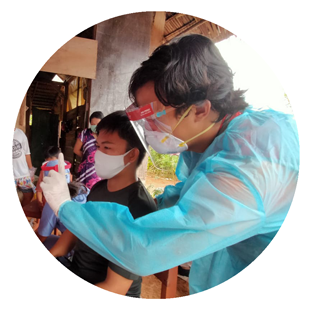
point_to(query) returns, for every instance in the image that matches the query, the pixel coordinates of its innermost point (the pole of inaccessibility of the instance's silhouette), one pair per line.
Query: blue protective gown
(231, 201)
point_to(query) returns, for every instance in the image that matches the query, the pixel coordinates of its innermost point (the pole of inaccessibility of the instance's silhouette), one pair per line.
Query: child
(119, 154)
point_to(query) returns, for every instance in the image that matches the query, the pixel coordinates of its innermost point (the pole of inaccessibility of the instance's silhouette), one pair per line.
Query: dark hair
(188, 71)
(119, 122)
(97, 114)
(51, 151)
(76, 188)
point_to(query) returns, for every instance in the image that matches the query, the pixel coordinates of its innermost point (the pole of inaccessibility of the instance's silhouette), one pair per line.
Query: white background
(253, 74)
(279, 279)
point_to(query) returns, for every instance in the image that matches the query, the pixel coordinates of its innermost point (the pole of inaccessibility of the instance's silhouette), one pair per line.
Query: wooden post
(169, 281)
(28, 112)
(87, 107)
(158, 30)
(23, 114)
(21, 117)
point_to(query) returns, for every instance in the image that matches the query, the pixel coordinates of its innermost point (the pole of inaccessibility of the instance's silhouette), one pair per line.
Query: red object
(140, 112)
(48, 168)
(223, 120)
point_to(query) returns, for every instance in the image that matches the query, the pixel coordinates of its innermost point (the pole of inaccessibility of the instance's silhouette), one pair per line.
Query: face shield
(151, 116)
(151, 125)
(158, 134)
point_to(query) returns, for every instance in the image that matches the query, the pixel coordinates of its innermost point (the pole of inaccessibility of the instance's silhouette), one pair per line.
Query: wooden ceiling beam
(210, 29)
(77, 57)
(215, 30)
(42, 105)
(45, 100)
(183, 30)
(53, 84)
(34, 91)
(174, 16)
(46, 91)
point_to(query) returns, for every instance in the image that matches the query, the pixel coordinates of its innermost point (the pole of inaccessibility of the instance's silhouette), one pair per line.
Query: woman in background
(85, 147)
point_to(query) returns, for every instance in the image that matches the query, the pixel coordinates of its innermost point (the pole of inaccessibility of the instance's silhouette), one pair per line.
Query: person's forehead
(110, 137)
(145, 94)
(95, 121)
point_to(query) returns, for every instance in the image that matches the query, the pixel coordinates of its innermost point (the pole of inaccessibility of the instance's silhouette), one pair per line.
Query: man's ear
(202, 111)
(133, 155)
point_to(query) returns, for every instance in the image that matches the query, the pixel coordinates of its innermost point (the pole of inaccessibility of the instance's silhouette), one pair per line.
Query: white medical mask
(167, 143)
(108, 166)
(164, 143)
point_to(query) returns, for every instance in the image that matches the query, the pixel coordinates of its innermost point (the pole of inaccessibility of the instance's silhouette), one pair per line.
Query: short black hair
(188, 71)
(119, 122)
(51, 151)
(97, 114)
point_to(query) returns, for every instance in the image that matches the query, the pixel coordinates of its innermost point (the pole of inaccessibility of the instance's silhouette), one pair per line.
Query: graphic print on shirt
(17, 149)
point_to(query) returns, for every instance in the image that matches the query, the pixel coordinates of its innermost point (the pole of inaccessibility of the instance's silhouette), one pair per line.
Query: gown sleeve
(205, 219)
(240, 187)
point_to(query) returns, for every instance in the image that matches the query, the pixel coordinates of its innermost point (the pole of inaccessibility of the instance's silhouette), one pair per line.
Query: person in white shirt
(21, 165)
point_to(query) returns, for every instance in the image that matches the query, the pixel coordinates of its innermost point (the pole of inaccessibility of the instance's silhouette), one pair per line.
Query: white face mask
(167, 143)
(170, 145)
(107, 166)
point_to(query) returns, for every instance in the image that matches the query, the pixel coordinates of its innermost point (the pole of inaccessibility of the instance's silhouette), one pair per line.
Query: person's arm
(205, 219)
(28, 160)
(170, 196)
(40, 197)
(26, 150)
(41, 238)
(115, 283)
(77, 147)
(47, 223)
(228, 197)
(38, 188)
(215, 210)
(64, 244)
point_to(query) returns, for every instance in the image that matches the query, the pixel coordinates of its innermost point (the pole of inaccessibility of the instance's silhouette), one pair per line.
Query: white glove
(54, 186)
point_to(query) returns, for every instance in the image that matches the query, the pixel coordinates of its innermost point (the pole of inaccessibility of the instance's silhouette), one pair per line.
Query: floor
(151, 288)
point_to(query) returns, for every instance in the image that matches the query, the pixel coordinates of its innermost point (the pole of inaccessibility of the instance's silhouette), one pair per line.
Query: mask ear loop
(181, 119)
(183, 143)
(126, 155)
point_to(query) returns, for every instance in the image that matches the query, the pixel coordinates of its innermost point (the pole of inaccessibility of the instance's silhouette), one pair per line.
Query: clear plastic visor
(152, 116)
(149, 117)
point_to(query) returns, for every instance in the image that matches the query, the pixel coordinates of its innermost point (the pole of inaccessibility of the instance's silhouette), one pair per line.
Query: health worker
(238, 169)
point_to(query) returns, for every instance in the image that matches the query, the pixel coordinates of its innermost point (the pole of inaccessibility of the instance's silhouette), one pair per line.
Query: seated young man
(119, 153)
